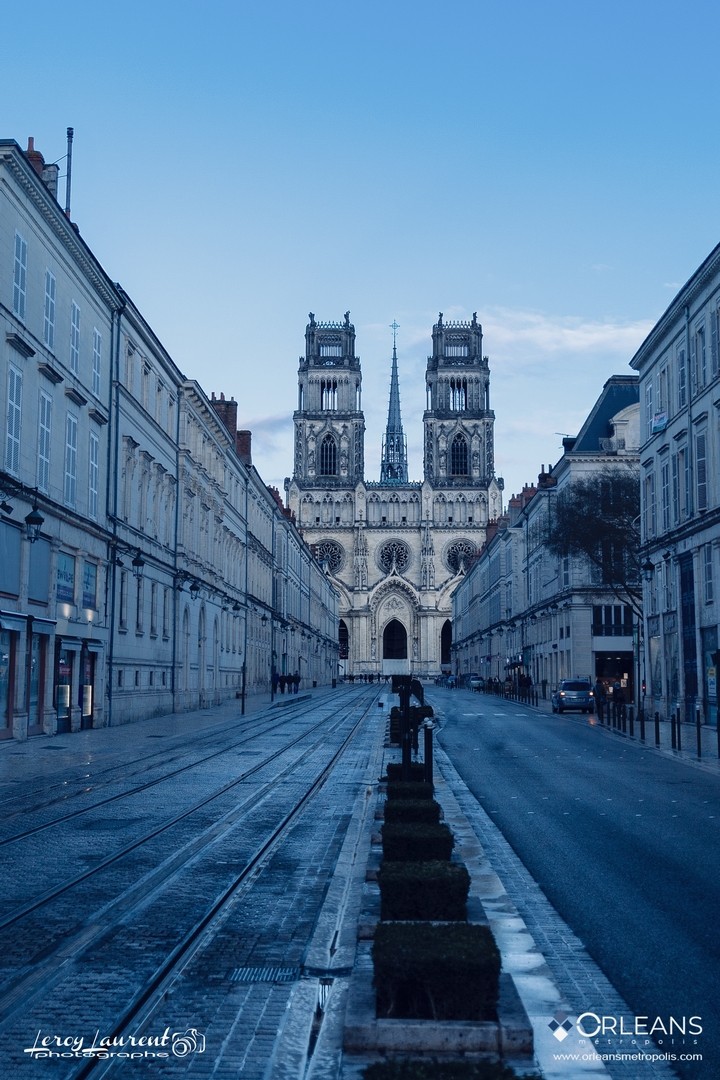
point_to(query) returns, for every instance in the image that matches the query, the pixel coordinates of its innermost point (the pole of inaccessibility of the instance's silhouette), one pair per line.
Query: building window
(65, 578)
(650, 512)
(96, 361)
(153, 608)
(89, 586)
(139, 604)
(75, 338)
(698, 359)
(329, 394)
(93, 472)
(44, 441)
(715, 340)
(20, 276)
(708, 580)
(459, 456)
(122, 618)
(681, 379)
(649, 408)
(14, 415)
(566, 572)
(49, 326)
(71, 436)
(166, 612)
(665, 495)
(458, 395)
(701, 470)
(328, 456)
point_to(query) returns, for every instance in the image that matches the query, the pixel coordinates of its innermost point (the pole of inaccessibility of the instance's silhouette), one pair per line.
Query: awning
(13, 621)
(71, 644)
(95, 646)
(43, 626)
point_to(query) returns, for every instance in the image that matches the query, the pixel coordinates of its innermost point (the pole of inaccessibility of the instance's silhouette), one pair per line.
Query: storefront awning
(12, 621)
(71, 644)
(43, 626)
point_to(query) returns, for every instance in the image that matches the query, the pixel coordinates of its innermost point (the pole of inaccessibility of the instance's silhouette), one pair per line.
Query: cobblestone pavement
(75, 963)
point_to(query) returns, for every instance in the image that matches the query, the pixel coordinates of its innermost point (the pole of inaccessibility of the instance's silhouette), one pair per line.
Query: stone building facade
(679, 369)
(394, 548)
(145, 567)
(522, 610)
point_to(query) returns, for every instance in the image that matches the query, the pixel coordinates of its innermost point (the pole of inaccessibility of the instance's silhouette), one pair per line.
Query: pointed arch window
(459, 456)
(458, 395)
(328, 456)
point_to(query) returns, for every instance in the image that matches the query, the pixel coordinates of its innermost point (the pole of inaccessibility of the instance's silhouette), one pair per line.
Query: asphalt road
(623, 842)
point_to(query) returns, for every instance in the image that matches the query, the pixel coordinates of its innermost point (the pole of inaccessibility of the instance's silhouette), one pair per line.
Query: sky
(550, 164)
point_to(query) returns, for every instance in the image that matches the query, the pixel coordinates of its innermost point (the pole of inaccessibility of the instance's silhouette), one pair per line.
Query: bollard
(623, 714)
(428, 750)
(673, 736)
(679, 730)
(641, 718)
(698, 731)
(631, 721)
(657, 728)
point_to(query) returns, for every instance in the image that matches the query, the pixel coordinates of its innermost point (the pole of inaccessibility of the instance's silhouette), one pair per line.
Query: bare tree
(597, 518)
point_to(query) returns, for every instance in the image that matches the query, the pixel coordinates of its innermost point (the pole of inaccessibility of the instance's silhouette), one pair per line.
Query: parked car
(476, 682)
(573, 694)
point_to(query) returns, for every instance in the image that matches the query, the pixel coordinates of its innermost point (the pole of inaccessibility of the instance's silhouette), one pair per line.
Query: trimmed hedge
(443, 1070)
(409, 789)
(417, 771)
(436, 972)
(421, 810)
(410, 842)
(423, 890)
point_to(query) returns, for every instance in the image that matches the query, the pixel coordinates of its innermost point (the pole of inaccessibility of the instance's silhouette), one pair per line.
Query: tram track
(140, 1009)
(52, 958)
(86, 783)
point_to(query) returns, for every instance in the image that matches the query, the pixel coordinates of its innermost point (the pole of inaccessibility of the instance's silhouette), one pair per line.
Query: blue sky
(552, 165)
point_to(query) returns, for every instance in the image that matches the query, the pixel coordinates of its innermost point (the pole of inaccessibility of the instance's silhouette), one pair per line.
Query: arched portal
(445, 644)
(395, 641)
(343, 640)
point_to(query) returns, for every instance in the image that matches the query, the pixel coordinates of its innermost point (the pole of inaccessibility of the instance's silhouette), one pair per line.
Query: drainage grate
(265, 974)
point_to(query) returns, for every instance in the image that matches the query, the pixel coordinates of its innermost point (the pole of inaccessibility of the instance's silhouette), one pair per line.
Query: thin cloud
(510, 331)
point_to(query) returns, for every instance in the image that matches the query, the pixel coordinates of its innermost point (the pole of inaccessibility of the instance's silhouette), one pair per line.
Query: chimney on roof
(47, 173)
(226, 411)
(243, 445)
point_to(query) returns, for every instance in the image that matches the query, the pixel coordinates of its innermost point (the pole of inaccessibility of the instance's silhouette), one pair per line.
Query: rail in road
(117, 878)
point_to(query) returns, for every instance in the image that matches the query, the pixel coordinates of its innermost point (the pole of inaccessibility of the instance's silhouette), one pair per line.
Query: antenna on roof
(68, 176)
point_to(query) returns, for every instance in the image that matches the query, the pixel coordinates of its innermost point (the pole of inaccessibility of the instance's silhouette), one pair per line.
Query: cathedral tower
(458, 420)
(329, 423)
(393, 465)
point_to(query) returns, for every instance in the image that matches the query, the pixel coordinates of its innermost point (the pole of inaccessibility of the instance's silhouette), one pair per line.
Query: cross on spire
(394, 326)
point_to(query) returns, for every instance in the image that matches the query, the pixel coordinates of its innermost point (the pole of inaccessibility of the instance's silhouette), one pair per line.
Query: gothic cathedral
(395, 548)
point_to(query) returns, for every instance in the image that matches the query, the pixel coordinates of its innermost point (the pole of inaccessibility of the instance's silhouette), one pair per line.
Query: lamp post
(647, 569)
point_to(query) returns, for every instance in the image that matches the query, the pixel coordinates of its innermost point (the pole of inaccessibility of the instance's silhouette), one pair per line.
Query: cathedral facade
(394, 548)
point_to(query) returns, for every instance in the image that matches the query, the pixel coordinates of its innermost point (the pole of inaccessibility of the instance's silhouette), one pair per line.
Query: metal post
(631, 721)
(642, 725)
(657, 728)
(428, 750)
(679, 736)
(673, 737)
(698, 730)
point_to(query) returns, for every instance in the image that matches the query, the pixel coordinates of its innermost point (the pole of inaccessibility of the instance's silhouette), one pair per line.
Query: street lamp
(34, 522)
(138, 564)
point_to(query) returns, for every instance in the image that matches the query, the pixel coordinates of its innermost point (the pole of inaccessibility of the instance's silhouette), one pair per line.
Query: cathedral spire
(393, 466)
